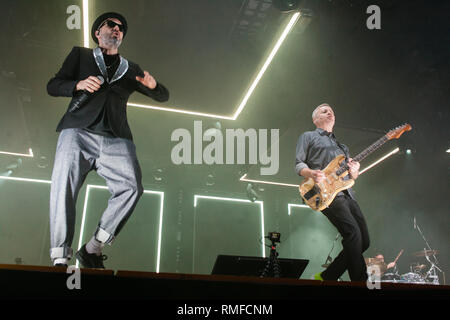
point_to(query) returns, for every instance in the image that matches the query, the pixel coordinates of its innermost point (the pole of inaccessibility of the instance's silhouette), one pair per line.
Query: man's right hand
(90, 84)
(317, 175)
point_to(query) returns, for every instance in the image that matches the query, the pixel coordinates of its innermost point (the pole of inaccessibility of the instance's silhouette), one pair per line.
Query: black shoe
(90, 260)
(61, 265)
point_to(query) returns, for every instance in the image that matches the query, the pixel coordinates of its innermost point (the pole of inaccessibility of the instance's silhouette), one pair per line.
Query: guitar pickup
(311, 193)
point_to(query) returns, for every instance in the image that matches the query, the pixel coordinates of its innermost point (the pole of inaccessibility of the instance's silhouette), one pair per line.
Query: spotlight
(6, 174)
(158, 174)
(214, 129)
(409, 149)
(286, 5)
(251, 193)
(42, 162)
(14, 165)
(448, 150)
(210, 180)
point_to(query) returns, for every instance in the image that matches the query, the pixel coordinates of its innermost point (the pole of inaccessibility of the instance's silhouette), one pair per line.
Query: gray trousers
(77, 153)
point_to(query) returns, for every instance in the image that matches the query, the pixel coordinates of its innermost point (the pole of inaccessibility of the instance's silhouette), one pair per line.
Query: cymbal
(425, 253)
(326, 265)
(419, 267)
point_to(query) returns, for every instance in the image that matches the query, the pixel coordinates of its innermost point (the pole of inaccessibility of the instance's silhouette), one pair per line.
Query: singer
(95, 136)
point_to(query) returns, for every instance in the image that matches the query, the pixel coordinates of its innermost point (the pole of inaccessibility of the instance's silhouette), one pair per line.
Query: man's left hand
(353, 168)
(147, 80)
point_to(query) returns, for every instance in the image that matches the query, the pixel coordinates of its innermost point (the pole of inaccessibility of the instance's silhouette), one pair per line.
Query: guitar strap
(341, 146)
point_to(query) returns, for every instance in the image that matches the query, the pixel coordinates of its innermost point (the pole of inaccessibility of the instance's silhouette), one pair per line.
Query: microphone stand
(329, 260)
(432, 272)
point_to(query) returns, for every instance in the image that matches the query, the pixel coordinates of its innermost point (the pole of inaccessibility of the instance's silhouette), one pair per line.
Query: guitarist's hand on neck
(353, 168)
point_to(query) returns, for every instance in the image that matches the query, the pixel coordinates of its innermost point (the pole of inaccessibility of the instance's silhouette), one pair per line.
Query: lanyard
(121, 69)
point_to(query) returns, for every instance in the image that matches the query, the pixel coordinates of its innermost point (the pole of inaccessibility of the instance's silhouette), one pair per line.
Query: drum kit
(418, 274)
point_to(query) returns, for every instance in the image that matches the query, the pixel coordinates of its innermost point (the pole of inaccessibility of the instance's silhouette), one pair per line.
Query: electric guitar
(319, 195)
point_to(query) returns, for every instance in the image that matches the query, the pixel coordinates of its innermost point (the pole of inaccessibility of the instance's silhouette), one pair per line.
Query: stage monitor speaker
(254, 266)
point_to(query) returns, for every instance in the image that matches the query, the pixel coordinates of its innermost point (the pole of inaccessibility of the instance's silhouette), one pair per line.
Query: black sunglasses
(112, 24)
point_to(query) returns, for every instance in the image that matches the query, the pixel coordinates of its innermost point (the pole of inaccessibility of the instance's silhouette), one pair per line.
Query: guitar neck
(370, 149)
(362, 155)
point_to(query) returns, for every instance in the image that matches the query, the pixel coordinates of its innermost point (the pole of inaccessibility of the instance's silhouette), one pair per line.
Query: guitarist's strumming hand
(317, 175)
(353, 168)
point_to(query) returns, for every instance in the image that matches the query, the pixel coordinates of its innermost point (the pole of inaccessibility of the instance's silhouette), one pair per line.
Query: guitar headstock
(398, 131)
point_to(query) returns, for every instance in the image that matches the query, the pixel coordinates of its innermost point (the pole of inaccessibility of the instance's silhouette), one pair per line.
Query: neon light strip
(272, 54)
(86, 23)
(261, 204)
(244, 177)
(290, 205)
(29, 154)
(161, 210)
(379, 160)
(255, 82)
(201, 114)
(161, 194)
(25, 179)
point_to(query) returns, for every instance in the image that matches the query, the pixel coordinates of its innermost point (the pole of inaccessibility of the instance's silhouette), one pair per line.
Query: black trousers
(344, 213)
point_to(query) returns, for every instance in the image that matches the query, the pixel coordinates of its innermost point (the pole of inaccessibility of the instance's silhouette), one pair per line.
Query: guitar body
(319, 196)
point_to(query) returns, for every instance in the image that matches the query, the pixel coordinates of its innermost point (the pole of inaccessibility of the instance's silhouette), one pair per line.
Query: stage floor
(41, 282)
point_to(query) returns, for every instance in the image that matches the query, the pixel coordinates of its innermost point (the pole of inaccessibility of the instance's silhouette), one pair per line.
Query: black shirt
(101, 124)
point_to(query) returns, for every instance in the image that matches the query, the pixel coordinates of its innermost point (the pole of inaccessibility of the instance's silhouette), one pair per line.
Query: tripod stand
(272, 263)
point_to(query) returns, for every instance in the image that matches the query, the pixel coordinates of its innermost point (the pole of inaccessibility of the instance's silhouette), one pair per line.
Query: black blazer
(79, 65)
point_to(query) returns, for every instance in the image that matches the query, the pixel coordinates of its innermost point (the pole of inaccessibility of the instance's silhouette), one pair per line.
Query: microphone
(80, 100)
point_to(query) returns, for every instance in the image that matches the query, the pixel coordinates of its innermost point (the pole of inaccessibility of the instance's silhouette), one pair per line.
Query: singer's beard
(110, 41)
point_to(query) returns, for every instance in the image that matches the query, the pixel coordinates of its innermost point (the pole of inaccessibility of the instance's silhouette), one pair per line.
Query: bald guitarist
(315, 150)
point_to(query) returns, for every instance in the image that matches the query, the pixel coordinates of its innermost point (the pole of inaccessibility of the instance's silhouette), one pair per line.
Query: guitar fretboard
(362, 155)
